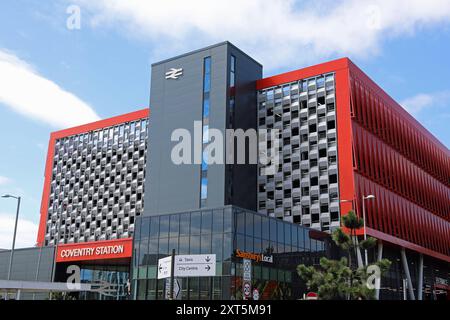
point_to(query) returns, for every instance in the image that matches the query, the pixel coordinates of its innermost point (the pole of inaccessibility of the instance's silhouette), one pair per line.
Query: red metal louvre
(405, 167)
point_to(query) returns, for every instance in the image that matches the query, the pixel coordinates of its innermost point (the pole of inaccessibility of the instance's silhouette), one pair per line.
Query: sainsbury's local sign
(113, 249)
(261, 257)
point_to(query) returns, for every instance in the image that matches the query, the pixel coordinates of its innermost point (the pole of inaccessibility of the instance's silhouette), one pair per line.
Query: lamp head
(370, 196)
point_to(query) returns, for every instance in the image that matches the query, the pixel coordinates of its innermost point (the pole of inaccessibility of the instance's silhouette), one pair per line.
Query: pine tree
(344, 279)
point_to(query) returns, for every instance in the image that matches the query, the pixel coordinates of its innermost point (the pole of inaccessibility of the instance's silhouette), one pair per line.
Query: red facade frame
(383, 150)
(132, 116)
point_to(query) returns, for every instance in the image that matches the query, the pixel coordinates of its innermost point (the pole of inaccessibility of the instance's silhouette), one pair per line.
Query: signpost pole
(172, 274)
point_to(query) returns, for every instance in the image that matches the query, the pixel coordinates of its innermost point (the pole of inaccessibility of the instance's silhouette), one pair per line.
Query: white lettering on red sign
(86, 252)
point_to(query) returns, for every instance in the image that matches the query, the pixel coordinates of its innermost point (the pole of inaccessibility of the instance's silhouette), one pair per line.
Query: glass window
(184, 223)
(249, 224)
(217, 288)
(217, 221)
(287, 233)
(249, 244)
(205, 137)
(193, 288)
(257, 226)
(266, 247)
(207, 65)
(205, 244)
(206, 107)
(240, 221)
(195, 245)
(294, 237)
(154, 227)
(227, 247)
(163, 247)
(233, 71)
(240, 242)
(183, 245)
(144, 230)
(195, 222)
(273, 230)
(227, 220)
(151, 289)
(257, 245)
(273, 274)
(173, 244)
(164, 223)
(205, 288)
(174, 225)
(206, 221)
(137, 229)
(307, 240)
(313, 245)
(265, 228)
(280, 226)
(265, 273)
(217, 245)
(141, 289)
(143, 247)
(204, 188)
(207, 83)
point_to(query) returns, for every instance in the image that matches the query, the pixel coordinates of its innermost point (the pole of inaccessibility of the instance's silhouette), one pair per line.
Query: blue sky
(52, 77)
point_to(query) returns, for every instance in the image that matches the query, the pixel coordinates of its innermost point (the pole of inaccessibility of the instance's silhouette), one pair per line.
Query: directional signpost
(164, 267)
(176, 289)
(197, 265)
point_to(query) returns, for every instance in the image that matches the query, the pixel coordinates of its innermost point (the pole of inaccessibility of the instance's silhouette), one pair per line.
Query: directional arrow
(208, 268)
(208, 259)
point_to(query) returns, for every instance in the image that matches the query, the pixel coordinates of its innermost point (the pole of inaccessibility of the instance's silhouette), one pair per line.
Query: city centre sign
(255, 257)
(113, 249)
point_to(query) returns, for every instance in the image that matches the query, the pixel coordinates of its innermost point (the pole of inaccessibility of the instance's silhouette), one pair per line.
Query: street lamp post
(15, 232)
(364, 198)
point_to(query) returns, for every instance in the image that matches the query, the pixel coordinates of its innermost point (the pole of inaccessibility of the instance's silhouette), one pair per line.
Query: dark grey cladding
(178, 103)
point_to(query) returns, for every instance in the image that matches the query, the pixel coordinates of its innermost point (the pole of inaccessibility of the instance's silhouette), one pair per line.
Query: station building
(115, 202)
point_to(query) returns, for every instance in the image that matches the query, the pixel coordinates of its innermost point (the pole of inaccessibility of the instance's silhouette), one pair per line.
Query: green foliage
(352, 221)
(342, 239)
(340, 279)
(368, 243)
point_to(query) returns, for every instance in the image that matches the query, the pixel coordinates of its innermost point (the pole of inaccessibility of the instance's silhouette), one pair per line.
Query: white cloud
(25, 91)
(26, 232)
(423, 101)
(279, 33)
(4, 180)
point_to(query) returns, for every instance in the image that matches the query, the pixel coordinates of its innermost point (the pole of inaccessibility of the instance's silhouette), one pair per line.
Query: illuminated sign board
(100, 250)
(254, 256)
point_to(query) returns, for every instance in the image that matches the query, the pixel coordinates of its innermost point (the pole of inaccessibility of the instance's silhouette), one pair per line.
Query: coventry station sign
(113, 249)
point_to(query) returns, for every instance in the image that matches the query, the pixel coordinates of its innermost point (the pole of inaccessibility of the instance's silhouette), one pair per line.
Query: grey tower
(214, 87)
